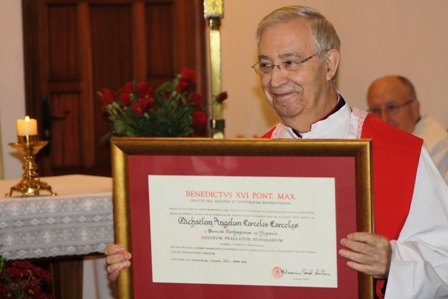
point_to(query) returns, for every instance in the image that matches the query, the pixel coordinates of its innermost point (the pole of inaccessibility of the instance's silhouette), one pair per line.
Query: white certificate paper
(238, 230)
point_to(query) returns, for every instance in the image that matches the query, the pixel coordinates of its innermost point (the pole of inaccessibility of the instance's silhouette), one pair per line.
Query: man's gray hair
(324, 34)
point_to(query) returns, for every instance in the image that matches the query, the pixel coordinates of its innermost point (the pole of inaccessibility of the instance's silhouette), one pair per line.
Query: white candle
(26, 126)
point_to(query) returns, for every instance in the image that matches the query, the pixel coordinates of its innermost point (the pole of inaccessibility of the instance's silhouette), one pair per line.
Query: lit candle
(26, 126)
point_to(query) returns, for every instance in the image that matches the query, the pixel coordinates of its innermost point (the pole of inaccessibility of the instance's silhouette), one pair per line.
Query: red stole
(395, 160)
(268, 134)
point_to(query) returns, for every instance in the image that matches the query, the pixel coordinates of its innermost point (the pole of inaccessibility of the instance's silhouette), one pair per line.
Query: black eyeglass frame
(256, 67)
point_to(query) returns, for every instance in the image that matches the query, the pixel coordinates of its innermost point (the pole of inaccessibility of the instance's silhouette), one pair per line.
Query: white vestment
(419, 265)
(435, 137)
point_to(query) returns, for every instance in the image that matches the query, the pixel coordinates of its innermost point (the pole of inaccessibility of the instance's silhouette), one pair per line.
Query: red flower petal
(107, 96)
(199, 119)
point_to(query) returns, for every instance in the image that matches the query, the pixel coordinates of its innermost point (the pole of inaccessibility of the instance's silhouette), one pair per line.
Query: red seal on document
(277, 272)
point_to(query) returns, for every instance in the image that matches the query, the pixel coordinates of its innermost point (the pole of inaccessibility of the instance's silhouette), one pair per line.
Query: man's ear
(333, 57)
(415, 105)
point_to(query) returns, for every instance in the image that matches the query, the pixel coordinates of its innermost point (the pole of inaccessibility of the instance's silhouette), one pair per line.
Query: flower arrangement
(174, 109)
(20, 279)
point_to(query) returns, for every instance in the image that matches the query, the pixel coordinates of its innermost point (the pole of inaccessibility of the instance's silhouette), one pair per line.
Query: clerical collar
(340, 103)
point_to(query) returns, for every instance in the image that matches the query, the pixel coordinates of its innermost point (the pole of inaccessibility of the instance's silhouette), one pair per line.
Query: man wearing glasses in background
(394, 100)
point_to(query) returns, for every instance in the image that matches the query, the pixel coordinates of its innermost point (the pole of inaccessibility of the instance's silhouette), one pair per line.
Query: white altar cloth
(78, 221)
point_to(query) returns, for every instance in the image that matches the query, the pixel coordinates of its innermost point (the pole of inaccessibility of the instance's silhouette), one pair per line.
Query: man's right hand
(117, 260)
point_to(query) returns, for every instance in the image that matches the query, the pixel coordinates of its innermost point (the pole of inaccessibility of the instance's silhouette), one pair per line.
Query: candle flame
(27, 118)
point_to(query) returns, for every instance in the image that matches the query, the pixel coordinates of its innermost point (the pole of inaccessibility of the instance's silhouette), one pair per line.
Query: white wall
(407, 37)
(12, 86)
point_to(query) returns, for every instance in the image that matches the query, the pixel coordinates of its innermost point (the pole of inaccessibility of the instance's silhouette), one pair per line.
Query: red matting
(341, 168)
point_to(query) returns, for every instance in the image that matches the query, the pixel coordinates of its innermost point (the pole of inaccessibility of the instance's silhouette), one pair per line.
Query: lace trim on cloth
(357, 118)
(55, 226)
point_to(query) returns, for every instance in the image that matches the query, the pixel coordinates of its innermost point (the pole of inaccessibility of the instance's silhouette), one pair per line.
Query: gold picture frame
(355, 152)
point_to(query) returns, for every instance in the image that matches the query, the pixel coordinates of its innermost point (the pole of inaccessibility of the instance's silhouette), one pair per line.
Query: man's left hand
(367, 253)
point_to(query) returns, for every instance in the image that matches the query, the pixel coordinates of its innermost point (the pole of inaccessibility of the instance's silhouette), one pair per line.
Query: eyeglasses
(264, 68)
(389, 108)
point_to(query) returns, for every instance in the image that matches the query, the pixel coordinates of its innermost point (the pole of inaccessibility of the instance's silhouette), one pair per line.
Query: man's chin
(285, 112)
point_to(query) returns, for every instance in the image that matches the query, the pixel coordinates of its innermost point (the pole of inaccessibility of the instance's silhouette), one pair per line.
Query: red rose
(24, 280)
(125, 98)
(142, 105)
(199, 119)
(221, 97)
(127, 87)
(146, 102)
(144, 90)
(188, 74)
(187, 81)
(196, 99)
(182, 86)
(138, 109)
(107, 96)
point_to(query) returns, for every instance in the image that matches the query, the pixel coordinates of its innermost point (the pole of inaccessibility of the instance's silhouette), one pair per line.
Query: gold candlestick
(30, 185)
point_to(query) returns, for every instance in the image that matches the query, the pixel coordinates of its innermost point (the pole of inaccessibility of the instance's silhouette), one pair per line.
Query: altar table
(76, 222)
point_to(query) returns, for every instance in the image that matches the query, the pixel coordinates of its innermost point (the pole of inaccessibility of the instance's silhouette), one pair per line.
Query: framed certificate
(240, 218)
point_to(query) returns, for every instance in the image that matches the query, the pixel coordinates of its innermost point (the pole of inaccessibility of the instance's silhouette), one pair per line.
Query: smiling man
(298, 59)
(299, 54)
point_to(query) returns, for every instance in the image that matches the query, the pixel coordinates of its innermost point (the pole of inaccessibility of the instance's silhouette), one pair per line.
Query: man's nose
(278, 76)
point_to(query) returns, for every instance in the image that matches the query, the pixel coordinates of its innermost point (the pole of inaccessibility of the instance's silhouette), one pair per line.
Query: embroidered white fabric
(78, 221)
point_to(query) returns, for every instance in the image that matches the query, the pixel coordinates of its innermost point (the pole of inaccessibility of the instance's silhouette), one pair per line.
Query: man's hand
(117, 260)
(367, 253)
